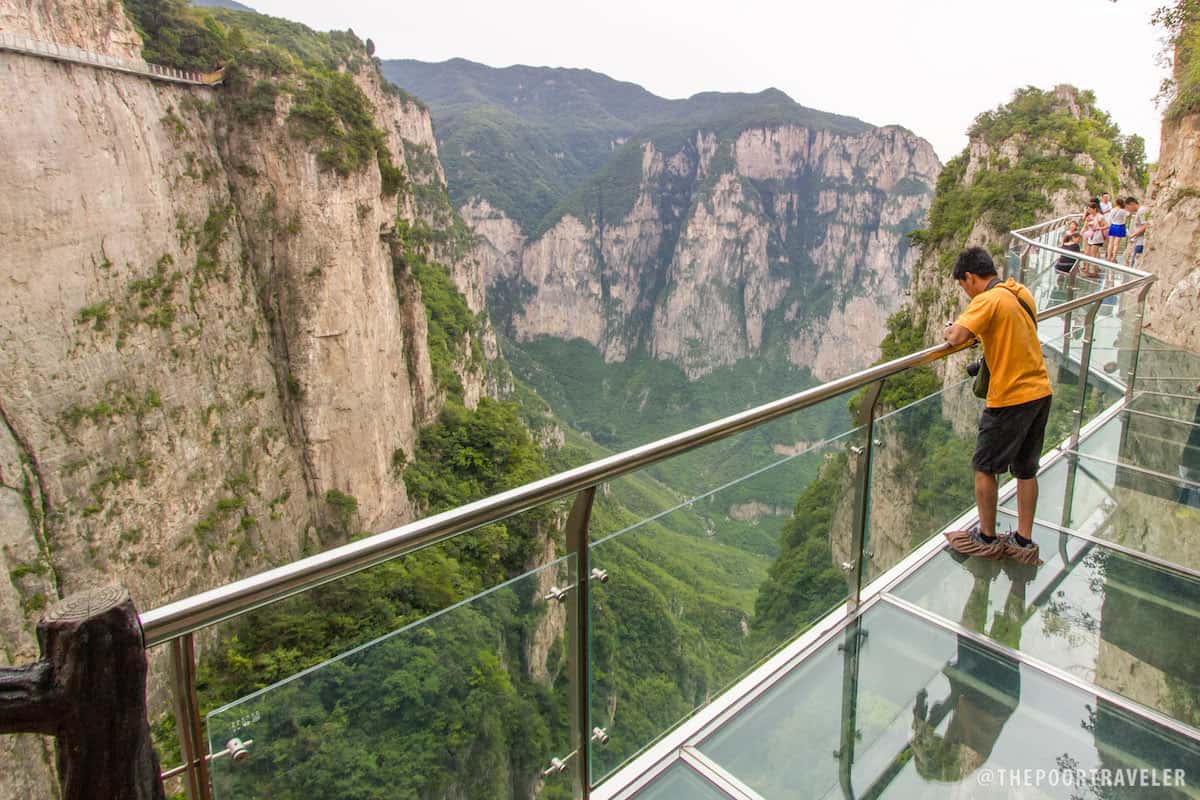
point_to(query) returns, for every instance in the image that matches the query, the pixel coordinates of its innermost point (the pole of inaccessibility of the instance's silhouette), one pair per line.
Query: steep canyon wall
(783, 240)
(209, 353)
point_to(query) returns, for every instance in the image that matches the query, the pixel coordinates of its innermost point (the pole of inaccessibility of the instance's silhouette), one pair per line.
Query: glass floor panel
(1149, 514)
(900, 708)
(1151, 442)
(680, 782)
(1086, 611)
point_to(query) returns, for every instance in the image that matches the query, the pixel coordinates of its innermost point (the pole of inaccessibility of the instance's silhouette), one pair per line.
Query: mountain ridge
(560, 126)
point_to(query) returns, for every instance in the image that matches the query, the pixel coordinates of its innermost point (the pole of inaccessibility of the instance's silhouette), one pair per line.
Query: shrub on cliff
(176, 35)
(265, 56)
(1042, 135)
(1182, 23)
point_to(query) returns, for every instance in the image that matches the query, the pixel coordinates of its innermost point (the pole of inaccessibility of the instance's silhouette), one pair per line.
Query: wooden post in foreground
(89, 692)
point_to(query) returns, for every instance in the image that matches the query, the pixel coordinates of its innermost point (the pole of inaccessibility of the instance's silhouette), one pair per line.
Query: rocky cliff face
(783, 240)
(1173, 244)
(87, 24)
(209, 354)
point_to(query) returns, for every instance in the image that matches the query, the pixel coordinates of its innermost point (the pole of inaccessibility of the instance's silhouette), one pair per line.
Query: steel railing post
(851, 645)
(1085, 361)
(1136, 336)
(187, 718)
(579, 642)
(1066, 348)
(862, 495)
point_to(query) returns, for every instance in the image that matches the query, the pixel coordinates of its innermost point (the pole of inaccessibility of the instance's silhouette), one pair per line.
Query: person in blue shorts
(1116, 229)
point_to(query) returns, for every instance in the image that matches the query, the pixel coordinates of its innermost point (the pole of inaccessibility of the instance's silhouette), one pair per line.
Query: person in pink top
(1095, 229)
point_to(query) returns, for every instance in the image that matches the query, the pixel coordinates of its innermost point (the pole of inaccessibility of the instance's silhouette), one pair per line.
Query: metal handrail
(215, 605)
(1100, 262)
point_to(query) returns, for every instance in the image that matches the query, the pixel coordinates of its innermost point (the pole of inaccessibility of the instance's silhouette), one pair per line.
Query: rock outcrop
(1173, 243)
(783, 240)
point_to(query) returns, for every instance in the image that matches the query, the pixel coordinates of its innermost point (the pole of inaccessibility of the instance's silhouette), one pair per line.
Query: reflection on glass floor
(971, 668)
(898, 706)
(1085, 611)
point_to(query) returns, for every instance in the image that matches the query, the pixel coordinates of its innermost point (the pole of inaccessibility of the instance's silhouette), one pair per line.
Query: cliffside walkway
(74, 55)
(905, 672)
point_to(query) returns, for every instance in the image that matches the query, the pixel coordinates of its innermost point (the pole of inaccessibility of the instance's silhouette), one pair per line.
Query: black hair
(1093, 204)
(1132, 199)
(975, 260)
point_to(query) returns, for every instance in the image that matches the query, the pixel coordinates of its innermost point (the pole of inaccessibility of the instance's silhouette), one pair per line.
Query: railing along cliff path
(30, 700)
(74, 55)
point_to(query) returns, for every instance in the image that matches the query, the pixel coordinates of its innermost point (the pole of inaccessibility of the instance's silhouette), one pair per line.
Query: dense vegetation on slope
(264, 56)
(1009, 193)
(1182, 23)
(338, 732)
(525, 138)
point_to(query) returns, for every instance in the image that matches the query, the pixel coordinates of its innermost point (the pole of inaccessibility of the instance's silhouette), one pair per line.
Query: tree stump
(89, 692)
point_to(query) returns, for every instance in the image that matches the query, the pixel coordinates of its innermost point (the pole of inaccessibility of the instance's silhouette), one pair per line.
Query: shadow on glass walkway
(740, 611)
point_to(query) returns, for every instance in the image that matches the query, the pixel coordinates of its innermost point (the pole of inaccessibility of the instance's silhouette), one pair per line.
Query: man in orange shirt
(1002, 315)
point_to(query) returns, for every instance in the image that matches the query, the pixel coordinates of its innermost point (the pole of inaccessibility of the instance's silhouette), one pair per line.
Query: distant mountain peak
(524, 138)
(232, 5)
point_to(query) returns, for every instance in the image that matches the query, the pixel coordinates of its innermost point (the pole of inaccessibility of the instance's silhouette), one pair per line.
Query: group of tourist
(1106, 225)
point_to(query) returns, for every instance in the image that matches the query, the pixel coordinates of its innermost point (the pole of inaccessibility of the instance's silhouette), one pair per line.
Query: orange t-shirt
(1010, 344)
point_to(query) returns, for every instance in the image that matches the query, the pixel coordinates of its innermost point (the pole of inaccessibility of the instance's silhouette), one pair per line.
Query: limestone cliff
(210, 353)
(784, 240)
(1173, 244)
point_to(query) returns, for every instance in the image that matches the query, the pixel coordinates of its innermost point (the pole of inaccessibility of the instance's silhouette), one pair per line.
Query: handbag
(983, 377)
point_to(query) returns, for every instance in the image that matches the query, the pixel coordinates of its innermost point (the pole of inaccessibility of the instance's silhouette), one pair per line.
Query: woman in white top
(1116, 229)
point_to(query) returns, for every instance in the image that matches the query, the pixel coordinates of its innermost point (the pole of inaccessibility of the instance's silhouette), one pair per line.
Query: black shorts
(1010, 439)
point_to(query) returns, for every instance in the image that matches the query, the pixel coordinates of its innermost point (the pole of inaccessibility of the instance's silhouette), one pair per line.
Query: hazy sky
(929, 65)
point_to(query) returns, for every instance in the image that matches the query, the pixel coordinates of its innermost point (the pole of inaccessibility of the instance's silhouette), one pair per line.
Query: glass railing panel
(917, 711)
(934, 438)
(727, 463)
(680, 782)
(1182, 406)
(1062, 356)
(920, 473)
(1160, 361)
(699, 594)
(1145, 512)
(471, 701)
(1086, 610)
(1159, 444)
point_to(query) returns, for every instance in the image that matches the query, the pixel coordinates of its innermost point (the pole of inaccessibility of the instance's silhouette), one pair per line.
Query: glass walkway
(761, 607)
(979, 678)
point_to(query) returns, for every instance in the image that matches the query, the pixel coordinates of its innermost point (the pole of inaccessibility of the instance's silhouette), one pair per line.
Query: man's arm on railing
(956, 334)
